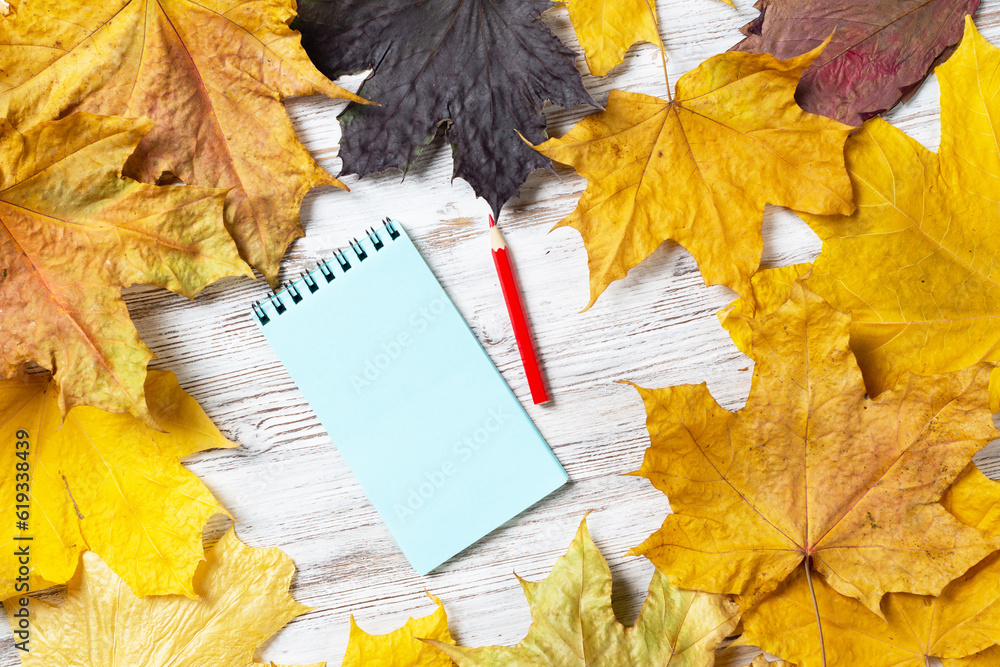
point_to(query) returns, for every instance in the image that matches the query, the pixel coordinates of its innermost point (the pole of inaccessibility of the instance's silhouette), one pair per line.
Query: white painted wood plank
(288, 486)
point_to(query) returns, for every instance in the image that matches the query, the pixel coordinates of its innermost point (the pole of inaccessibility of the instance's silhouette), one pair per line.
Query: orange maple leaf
(210, 74)
(813, 469)
(73, 233)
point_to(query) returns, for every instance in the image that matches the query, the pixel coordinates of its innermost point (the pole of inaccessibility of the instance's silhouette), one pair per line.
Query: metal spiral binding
(358, 250)
(324, 269)
(293, 291)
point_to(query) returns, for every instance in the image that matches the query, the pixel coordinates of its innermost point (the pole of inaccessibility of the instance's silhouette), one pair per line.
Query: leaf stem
(663, 49)
(819, 623)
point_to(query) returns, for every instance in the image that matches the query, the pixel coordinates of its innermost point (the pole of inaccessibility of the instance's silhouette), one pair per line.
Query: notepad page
(427, 424)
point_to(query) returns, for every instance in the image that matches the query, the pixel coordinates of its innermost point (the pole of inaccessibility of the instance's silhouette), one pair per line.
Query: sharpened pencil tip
(492, 221)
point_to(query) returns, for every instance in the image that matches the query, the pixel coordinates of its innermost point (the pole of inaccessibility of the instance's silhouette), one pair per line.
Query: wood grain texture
(288, 486)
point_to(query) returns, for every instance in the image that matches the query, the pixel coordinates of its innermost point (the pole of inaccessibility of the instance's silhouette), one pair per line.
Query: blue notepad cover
(439, 443)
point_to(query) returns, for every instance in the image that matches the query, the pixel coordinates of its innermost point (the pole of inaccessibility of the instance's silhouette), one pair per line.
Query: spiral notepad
(436, 438)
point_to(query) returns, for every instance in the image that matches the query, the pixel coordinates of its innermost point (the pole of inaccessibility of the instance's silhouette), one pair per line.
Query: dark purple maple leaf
(482, 67)
(881, 50)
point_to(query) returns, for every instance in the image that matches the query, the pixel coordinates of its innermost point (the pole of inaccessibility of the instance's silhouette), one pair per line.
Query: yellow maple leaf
(916, 264)
(813, 468)
(761, 661)
(959, 622)
(104, 482)
(73, 233)
(607, 28)
(769, 289)
(401, 647)
(988, 658)
(960, 626)
(211, 74)
(700, 168)
(975, 500)
(243, 600)
(573, 622)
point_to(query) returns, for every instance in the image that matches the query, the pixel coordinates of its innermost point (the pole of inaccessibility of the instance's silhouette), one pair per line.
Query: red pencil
(522, 333)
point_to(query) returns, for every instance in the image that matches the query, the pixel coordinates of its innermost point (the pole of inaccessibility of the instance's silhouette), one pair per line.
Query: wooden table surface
(288, 486)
